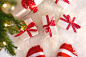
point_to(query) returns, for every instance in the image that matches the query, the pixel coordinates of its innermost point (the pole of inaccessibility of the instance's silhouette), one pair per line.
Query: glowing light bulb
(6, 25)
(4, 43)
(4, 5)
(13, 8)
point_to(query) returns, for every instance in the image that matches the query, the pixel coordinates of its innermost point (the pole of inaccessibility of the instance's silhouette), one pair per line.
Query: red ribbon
(30, 3)
(32, 24)
(51, 23)
(63, 0)
(71, 22)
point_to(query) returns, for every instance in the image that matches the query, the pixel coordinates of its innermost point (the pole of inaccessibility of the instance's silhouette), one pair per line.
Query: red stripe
(34, 49)
(67, 47)
(62, 54)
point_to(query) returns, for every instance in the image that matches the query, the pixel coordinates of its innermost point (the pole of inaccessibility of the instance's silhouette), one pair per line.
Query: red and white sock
(35, 51)
(66, 50)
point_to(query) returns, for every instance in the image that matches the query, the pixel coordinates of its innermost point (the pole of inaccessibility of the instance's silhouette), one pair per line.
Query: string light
(4, 43)
(13, 7)
(4, 5)
(5, 24)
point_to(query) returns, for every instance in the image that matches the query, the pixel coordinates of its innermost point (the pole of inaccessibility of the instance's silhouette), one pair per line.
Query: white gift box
(20, 11)
(61, 3)
(25, 35)
(64, 24)
(53, 28)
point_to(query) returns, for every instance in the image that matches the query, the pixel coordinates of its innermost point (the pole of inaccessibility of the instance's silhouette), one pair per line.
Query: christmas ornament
(7, 8)
(66, 50)
(62, 3)
(69, 22)
(35, 51)
(49, 25)
(30, 31)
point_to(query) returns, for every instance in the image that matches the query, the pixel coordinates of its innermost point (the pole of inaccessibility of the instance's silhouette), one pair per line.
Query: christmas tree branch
(9, 46)
(8, 24)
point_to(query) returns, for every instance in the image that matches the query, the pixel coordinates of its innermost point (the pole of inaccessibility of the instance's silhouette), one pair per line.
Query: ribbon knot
(71, 22)
(63, 0)
(51, 23)
(28, 29)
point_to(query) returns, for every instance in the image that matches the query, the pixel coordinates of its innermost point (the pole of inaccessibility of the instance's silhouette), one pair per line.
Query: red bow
(30, 3)
(63, 0)
(71, 22)
(51, 23)
(32, 24)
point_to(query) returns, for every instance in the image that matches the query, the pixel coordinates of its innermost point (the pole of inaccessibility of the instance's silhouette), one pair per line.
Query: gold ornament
(7, 8)
(6, 24)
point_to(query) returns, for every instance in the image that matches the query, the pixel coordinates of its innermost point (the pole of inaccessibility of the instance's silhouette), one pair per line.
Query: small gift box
(30, 31)
(49, 25)
(62, 3)
(25, 6)
(69, 22)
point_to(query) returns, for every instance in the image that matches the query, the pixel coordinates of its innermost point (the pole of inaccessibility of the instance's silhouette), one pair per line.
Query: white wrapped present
(30, 31)
(49, 25)
(62, 3)
(69, 22)
(20, 11)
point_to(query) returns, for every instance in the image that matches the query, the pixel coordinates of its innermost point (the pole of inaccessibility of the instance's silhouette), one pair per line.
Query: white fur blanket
(51, 45)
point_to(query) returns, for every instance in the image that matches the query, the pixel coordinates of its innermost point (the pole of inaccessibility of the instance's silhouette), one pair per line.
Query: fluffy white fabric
(51, 45)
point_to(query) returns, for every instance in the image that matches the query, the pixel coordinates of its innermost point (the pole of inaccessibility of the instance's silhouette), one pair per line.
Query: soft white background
(51, 45)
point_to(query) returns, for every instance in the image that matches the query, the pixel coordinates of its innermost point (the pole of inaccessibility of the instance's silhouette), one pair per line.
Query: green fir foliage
(13, 27)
